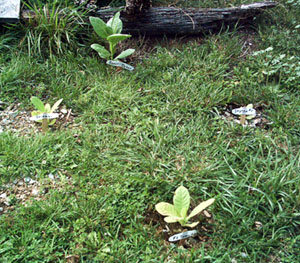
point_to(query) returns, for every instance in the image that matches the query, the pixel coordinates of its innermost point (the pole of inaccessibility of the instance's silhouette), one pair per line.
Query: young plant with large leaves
(44, 108)
(178, 211)
(111, 33)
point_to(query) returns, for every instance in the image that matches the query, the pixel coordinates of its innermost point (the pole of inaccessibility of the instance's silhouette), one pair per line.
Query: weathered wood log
(188, 21)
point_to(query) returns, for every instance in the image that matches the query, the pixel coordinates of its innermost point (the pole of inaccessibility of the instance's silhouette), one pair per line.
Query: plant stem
(111, 49)
(243, 119)
(44, 125)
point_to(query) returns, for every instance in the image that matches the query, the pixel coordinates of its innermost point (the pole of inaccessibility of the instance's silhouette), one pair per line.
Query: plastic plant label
(244, 111)
(119, 64)
(183, 235)
(45, 116)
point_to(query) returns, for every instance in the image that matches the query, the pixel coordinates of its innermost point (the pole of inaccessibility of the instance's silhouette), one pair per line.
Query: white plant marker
(119, 64)
(44, 117)
(243, 111)
(183, 235)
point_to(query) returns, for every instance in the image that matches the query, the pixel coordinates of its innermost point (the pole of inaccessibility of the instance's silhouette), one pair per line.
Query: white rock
(28, 180)
(35, 191)
(6, 121)
(51, 176)
(4, 196)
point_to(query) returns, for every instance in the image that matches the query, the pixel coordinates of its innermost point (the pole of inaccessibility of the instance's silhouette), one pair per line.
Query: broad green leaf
(172, 219)
(36, 113)
(115, 23)
(100, 27)
(166, 209)
(47, 107)
(51, 122)
(181, 200)
(55, 106)
(125, 53)
(192, 224)
(103, 53)
(116, 38)
(198, 209)
(38, 103)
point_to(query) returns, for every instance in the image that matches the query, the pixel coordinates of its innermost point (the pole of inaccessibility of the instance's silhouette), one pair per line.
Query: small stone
(28, 180)
(20, 183)
(64, 111)
(257, 121)
(4, 196)
(51, 176)
(6, 121)
(35, 192)
(1, 209)
(258, 225)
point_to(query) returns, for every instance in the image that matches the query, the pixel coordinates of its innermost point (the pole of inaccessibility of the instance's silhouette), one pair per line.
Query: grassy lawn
(137, 136)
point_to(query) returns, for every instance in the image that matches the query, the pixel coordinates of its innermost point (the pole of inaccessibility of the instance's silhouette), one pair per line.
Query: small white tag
(183, 235)
(244, 111)
(119, 64)
(47, 116)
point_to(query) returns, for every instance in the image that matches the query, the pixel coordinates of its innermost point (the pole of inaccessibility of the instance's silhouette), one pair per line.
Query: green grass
(144, 133)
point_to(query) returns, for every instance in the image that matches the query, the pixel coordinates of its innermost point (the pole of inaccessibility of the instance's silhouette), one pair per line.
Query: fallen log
(188, 21)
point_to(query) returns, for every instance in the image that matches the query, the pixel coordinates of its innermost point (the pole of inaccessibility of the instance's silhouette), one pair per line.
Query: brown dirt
(259, 121)
(165, 230)
(16, 120)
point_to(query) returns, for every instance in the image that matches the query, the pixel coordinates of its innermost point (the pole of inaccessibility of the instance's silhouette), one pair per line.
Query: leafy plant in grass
(111, 33)
(178, 211)
(44, 108)
(284, 68)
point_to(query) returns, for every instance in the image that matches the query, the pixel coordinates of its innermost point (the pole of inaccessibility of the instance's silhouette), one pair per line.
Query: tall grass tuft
(53, 28)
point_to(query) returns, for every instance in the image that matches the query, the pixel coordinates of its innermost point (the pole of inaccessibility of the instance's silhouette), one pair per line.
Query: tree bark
(189, 21)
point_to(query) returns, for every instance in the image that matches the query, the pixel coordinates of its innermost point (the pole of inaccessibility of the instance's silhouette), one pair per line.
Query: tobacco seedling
(178, 211)
(111, 33)
(42, 109)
